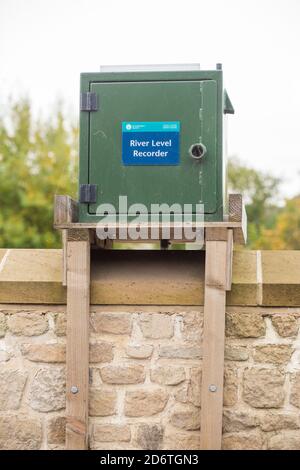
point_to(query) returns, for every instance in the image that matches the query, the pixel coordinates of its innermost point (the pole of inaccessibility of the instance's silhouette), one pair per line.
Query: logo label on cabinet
(150, 143)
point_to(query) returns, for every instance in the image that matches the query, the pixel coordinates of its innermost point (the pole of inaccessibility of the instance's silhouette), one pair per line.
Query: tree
(37, 160)
(286, 231)
(260, 193)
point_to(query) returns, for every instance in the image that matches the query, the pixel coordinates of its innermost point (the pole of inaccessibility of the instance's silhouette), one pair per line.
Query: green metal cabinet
(194, 100)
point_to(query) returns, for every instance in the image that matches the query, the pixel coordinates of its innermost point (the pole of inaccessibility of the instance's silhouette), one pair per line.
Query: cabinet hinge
(88, 101)
(88, 193)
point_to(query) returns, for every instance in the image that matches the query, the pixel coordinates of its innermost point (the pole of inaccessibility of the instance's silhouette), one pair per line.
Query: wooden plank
(213, 344)
(77, 235)
(216, 233)
(65, 210)
(229, 259)
(243, 229)
(77, 361)
(64, 239)
(237, 213)
(119, 229)
(235, 203)
(66, 217)
(94, 225)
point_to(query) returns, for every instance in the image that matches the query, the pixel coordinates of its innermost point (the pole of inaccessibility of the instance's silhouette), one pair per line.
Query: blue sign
(150, 143)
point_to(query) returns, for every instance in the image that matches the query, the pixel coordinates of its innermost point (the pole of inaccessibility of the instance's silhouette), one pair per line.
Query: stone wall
(145, 374)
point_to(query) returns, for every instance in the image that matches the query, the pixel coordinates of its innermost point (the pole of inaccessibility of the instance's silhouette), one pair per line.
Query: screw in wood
(212, 388)
(74, 389)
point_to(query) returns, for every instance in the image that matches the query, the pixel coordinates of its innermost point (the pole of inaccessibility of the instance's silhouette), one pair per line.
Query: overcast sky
(45, 44)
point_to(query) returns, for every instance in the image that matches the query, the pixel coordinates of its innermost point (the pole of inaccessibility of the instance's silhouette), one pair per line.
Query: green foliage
(285, 234)
(37, 160)
(260, 192)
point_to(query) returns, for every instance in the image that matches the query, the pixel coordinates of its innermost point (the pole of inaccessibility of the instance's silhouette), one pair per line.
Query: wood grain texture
(94, 225)
(235, 207)
(229, 261)
(65, 210)
(213, 344)
(120, 231)
(77, 360)
(79, 235)
(66, 217)
(64, 240)
(216, 233)
(237, 214)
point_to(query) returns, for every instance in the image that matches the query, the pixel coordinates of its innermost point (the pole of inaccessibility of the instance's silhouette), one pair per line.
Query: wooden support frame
(66, 217)
(218, 269)
(77, 360)
(77, 239)
(65, 212)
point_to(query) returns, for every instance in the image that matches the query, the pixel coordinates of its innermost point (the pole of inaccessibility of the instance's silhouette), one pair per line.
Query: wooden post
(77, 361)
(218, 260)
(64, 241)
(65, 211)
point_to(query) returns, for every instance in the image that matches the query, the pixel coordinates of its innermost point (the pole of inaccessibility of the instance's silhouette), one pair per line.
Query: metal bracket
(88, 193)
(88, 101)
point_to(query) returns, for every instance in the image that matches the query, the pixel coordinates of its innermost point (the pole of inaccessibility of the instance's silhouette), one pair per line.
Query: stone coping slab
(266, 278)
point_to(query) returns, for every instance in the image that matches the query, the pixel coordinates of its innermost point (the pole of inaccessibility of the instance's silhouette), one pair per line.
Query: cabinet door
(185, 180)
